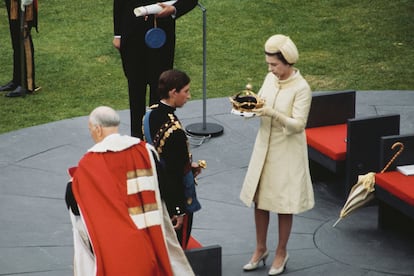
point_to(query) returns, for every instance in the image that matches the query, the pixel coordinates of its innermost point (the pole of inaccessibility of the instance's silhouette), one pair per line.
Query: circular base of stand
(205, 130)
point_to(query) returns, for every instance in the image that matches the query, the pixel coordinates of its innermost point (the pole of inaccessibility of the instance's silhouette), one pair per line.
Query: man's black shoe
(18, 92)
(37, 89)
(10, 86)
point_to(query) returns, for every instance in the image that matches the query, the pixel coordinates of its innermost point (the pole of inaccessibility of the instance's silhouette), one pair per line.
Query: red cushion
(400, 185)
(193, 243)
(329, 140)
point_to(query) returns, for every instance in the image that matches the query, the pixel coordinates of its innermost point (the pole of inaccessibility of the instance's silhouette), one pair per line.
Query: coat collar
(114, 142)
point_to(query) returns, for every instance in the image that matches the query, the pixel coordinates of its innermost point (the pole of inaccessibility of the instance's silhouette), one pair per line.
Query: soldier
(23, 51)
(163, 129)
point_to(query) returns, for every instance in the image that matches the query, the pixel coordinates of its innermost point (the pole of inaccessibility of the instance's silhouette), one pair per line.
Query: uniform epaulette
(165, 131)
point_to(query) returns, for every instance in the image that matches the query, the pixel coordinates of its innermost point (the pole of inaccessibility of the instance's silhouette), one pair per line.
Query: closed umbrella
(363, 191)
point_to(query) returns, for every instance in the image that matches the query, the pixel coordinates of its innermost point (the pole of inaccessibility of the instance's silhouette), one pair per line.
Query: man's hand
(177, 221)
(196, 169)
(25, 3)
(167, 10)
(117, 42)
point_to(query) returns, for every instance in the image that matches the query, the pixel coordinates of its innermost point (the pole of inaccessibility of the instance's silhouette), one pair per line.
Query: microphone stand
(204, 128)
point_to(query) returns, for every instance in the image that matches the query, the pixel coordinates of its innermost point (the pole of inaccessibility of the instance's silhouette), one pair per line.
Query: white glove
(270, 112)
(25, 3)
(265, 111)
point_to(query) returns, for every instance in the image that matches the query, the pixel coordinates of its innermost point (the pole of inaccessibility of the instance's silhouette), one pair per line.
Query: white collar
(114, 142)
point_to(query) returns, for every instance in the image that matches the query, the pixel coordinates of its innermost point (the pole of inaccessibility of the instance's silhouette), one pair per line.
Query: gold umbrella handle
(401, 145)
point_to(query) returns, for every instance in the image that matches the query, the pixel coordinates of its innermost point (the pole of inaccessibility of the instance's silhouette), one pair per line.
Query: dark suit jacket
(143, 65)
(125, 21)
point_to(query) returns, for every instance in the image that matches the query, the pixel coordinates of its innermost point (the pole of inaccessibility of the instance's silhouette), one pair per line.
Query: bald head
(103, 121)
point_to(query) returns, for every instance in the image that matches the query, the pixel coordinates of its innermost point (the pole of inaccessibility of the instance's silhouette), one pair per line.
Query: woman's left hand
(265, 111)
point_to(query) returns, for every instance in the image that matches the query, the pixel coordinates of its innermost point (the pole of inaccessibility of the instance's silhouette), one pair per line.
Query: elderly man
(119, 221)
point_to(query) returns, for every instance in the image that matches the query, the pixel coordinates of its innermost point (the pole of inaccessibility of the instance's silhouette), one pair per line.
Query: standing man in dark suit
(21, 83)
(143, 65)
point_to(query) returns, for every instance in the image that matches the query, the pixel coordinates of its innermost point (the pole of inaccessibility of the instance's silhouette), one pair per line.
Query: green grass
(362, 45)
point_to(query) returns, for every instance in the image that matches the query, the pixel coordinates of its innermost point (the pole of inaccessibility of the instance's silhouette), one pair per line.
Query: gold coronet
(246, 100)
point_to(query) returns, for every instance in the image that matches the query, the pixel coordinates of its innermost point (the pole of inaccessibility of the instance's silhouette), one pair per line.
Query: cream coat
(278, 178)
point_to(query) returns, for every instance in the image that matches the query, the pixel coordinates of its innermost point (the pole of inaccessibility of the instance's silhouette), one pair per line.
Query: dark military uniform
(171, 143)
(13, 11)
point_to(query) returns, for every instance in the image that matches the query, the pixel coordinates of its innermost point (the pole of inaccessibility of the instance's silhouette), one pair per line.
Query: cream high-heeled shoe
(279, 270)
(253, 265)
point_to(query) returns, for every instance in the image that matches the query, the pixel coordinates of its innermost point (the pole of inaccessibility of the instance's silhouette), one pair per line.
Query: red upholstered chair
(394, 190)
(341, 143)
(330, 141)
(326, 128)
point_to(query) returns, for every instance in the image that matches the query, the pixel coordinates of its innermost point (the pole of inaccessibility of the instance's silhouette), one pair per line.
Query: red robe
(115, 192)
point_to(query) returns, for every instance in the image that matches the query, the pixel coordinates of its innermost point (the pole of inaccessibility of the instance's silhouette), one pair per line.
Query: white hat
(283, 44)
